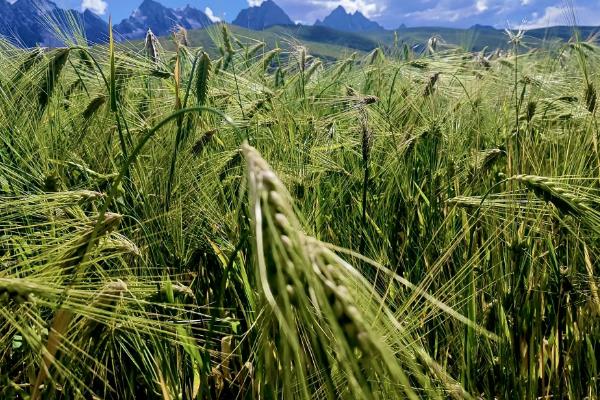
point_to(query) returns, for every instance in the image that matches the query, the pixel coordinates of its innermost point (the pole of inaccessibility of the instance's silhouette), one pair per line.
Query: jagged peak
(267, 14)
(151, 6)
(340, 19)
(151, 3)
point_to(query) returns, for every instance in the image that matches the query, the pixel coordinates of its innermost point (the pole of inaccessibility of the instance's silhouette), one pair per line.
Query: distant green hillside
(331, 44)
(321, 42)
(565, 33)
(479, 37)
(474, 39)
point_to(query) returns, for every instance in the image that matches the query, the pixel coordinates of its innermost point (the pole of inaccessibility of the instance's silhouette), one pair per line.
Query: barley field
(257, 223)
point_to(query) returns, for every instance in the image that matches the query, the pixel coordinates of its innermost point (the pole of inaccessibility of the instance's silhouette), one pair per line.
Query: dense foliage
(267, 225)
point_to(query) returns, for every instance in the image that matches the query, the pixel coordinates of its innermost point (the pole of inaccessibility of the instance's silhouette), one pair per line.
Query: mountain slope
(96, 29)
(564, 32)
(160, 19)
(35, 22)
(263, 16)
(343, 21)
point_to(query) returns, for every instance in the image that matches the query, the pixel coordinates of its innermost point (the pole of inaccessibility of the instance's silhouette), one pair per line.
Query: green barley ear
(376, 56)
(430, 87)
(320, 330)
(268, 58)
(254, 50)
(406, 52)
(34, 57)
(590, 97)
(239, 43)
(312, 69)
(553, 192)
(484, 161)
(94, 106)
(204, 140)
(530, 110)
(279, 77)
(202, 76)
(86, 60)
(227, 50)
(345, 65)
(568, 199)
(48, 84)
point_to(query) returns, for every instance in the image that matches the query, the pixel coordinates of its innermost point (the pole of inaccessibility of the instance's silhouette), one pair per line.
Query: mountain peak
(151, 6)
(151, 3)
(479, 27)
(160, 19)
(341, 20)
(267, 14)
(90, 15)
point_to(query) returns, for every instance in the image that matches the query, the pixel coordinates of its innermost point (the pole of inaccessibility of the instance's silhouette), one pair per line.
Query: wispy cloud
(211, 15)
(95, 6)
(558, 15)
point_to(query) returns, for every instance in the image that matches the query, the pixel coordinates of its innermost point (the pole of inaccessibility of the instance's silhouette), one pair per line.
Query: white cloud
(481, 6)
(552, 16)
(211, 15)
(95, 6)
(255, 3)
(557, 15)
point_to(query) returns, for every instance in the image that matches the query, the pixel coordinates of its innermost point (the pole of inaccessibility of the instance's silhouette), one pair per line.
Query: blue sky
(390, 13)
